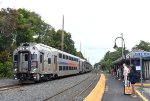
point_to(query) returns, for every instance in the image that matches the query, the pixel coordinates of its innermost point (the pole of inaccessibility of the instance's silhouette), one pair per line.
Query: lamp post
(115, 46)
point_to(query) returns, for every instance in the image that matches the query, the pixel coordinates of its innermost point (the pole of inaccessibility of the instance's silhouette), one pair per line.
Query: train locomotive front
(26, 63)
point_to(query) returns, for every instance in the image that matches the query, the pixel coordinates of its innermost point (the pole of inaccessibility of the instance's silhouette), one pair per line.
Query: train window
(40, 58)
(26, 57)
(15, 57)
(60, 67)
(66, 67)
(75, 59)
(64, 56)
(49, 60)
(34, 56)
(60, 55)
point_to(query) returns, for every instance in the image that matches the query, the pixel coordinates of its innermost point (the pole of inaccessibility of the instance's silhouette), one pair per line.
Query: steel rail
(64, 90)
(84, 90)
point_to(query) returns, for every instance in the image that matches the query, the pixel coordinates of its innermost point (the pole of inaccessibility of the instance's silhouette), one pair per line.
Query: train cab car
(32, 61)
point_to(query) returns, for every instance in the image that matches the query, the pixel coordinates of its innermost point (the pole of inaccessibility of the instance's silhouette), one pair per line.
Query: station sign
(141, 54)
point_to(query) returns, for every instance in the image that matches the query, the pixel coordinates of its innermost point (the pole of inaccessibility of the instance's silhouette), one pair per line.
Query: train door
(24, 62)
(42, 61)
(79, 67)
(55, 63)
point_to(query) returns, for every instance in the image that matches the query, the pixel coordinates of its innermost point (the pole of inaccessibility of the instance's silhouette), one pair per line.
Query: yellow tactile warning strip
(97, 93)
(142, 97)
(145, 85)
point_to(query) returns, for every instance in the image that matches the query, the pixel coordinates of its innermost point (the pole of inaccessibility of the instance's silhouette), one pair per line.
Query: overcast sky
(94, 23)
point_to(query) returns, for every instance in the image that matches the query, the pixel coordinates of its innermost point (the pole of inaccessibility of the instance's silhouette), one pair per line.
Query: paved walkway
(114, 91)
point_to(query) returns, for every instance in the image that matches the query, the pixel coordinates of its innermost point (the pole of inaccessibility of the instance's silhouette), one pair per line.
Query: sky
(94, 23)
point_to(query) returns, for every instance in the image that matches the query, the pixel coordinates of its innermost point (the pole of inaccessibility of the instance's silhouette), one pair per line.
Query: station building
(138, 58)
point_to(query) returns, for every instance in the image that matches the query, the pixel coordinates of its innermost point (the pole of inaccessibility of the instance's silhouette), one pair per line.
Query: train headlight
(15, 76)
(15, 70)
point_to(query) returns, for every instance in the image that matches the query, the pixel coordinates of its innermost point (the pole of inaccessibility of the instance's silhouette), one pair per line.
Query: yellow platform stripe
(97, 93)
(142, 97)
(145, 85)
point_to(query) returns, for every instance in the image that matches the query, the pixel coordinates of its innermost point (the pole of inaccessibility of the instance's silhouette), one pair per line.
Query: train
(36, 62)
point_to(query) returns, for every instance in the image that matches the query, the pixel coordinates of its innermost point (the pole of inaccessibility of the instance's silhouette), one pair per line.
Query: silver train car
(36, 62)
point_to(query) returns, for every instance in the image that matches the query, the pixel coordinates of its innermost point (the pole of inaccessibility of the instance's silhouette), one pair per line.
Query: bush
(6, 69)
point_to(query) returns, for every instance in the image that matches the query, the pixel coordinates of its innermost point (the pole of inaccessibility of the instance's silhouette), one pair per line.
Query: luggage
(128, 88)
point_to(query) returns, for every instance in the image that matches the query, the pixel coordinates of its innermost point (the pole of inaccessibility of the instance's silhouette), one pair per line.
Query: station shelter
(134, 58)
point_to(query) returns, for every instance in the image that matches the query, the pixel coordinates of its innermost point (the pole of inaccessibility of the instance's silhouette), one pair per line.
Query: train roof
(41, 47)
(45, 47)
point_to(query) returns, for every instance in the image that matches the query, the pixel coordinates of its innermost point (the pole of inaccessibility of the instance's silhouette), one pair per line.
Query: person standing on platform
(119, 73)
(125, 73)
(132, 79)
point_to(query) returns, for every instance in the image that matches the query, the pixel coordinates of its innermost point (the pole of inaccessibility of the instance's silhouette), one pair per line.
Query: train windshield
(16, 57)
(34, 56)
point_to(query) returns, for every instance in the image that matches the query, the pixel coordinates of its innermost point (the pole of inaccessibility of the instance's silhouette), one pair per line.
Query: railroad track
(84, 90)
(8, 87)
(73, 99)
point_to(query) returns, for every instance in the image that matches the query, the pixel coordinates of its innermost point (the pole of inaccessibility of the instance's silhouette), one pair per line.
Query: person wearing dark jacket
(132, 79)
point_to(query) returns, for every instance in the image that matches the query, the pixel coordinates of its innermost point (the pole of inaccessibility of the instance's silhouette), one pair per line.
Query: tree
(68, 42)
(142, 45)
(28, 25)
(109, 57)
(7, 28)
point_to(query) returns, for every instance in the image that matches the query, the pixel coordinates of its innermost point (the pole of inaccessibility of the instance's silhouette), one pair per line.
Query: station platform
(114, 91)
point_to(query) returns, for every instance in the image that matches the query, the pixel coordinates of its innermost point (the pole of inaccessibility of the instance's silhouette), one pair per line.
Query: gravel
(40, 91)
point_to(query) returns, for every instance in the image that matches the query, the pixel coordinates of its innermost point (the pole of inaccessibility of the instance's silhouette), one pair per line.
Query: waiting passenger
(132, 79)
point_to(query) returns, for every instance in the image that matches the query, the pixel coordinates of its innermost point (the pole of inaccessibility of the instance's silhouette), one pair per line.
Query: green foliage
(6, 69)
(109, 57)
(29, 24)
(79, 54)
(143, 46)
(4, 56)
(7, 28)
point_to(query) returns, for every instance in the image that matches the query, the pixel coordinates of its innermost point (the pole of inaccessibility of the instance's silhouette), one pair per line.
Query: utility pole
(80, 46)
(62, 36)
(122, 45)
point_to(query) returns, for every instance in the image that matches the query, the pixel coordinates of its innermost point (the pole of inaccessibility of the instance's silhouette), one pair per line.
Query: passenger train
(36, 62)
